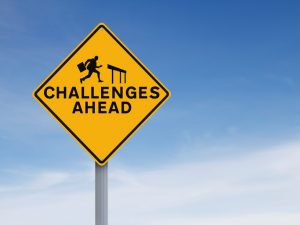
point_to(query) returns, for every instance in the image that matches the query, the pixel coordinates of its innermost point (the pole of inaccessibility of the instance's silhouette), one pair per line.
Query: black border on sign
(71, 132)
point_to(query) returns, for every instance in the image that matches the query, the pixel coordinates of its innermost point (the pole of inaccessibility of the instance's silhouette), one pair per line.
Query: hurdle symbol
(113, 68)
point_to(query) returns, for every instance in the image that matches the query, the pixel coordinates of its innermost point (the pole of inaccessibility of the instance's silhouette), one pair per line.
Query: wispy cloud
(257, 188)
(27, 182)
(264, 176)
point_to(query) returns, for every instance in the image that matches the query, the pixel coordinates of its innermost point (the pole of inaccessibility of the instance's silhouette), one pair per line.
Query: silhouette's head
(96, 57)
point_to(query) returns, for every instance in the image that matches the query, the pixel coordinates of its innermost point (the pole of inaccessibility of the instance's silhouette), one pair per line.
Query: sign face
(101, 94)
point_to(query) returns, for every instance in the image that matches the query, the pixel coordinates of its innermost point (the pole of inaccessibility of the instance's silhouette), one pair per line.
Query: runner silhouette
(91, 65)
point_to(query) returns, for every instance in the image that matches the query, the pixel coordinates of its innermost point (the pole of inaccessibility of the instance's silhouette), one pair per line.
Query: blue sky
(230, 131)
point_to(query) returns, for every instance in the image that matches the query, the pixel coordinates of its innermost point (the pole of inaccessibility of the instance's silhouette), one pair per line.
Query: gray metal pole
(101, 194)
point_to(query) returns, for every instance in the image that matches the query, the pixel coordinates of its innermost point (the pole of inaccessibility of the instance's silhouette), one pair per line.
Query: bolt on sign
(101, 94)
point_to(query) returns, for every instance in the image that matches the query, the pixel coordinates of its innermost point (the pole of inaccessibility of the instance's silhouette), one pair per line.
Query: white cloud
(74, 208)
(253, 188)
(257, 219)
(32, 181)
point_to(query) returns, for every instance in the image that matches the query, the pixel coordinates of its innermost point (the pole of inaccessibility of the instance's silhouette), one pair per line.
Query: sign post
(101, 94)
(101, 194)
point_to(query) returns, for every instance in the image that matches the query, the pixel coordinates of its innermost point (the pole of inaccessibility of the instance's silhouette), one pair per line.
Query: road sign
(101, 94)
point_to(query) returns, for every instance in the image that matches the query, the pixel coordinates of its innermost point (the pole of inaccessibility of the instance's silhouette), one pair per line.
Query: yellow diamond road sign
(101, 94)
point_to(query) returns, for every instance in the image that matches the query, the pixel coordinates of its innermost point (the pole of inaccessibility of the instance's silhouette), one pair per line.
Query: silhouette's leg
(98, 74)
(87, 76)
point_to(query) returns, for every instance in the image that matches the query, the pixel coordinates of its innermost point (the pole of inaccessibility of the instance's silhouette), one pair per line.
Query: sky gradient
(223, 150)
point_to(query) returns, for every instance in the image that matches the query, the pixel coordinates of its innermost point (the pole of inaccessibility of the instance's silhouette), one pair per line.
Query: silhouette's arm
(99, 66)
(86, 62)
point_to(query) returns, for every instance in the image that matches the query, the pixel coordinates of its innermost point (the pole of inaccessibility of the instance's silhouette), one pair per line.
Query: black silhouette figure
(91, 65)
